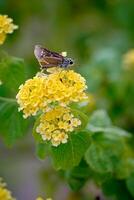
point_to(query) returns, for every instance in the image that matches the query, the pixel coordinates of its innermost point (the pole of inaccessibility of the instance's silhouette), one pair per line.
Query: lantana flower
(32, 97)
(5, 194)
(50, 95)
(39, 93)
(66, 86)
(6, 26)
(56, 124)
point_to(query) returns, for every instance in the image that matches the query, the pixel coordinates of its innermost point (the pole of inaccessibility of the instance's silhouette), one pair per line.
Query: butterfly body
(48, 59)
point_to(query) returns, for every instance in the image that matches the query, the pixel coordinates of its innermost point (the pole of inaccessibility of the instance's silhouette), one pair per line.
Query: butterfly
(48, 59)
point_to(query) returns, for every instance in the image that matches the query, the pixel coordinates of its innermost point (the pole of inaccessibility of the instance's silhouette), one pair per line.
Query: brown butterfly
(48, 59)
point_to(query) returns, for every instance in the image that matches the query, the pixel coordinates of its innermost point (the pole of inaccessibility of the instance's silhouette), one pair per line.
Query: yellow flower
(2, 37)
(66, 86)
(6, 26)
(31, 96)
(40, 198)
(128, 60)
(75, 122)
(4, 193)
(56, 124)
(44, 91)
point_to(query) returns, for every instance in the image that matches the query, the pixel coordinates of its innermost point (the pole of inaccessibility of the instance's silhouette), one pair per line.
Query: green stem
(7, 99)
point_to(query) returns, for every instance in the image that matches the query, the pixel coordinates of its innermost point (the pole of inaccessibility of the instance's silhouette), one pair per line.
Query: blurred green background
(97, 34)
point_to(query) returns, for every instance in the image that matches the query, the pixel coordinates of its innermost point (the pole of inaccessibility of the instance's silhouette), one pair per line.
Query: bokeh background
(97, 34)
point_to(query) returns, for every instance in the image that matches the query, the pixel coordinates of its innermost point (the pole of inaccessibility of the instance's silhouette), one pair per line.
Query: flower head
(5, 194)
(31, 96)
(43, 91)
(6, 26)
(66, 86)
(56, 124)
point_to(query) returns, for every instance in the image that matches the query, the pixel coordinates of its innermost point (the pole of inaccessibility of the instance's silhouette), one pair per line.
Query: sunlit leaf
(100, 118)
(98, 159)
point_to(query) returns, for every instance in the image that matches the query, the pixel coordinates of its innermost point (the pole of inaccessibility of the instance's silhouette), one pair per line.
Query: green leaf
(83, 117)
(116, 189)
(98, 159)
(12, 73)
(36, 135)
(110, 154)
(12, 124)
(77, 176)
(80, 171)
(68, 155)
(76, 184)
(42, 150)
(100, 122)
(100, 118)
(110, 187)
(130, 184)
(111, 131)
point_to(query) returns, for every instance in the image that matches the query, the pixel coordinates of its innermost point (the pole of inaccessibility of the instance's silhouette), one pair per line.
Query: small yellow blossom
(41, 92)
(56, 124)
(5, 194)
(31, 96)
(6, 26)
(40, 198)
(128, 60)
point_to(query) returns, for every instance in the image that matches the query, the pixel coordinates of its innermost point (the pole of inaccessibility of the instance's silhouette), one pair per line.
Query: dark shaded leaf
(12, 125)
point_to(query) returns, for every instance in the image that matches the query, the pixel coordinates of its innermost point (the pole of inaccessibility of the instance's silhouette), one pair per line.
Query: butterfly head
(67, 62)
(70, 60)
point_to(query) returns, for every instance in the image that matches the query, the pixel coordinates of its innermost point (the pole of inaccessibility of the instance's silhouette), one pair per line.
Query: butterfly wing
(47, 58)
(48, 62)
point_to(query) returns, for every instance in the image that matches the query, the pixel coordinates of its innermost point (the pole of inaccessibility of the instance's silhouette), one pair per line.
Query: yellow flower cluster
(6, 26)
(31, 96)
(4, 193)
(56, 124)
(66, 86)
(40, 198)
(128, 60)
(39, 93)
(51, 94)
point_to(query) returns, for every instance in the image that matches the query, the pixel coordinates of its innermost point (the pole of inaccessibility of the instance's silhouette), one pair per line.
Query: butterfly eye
(71, 62)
